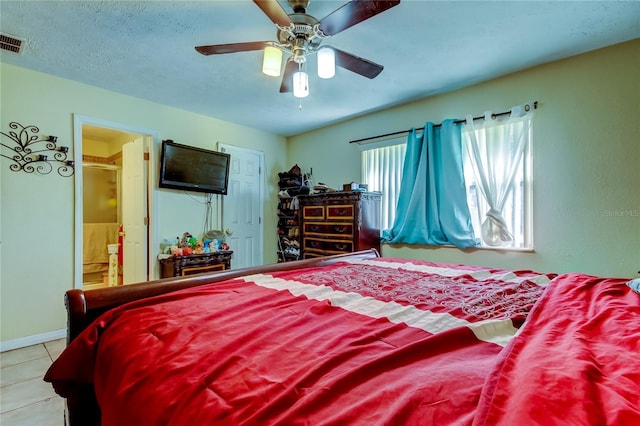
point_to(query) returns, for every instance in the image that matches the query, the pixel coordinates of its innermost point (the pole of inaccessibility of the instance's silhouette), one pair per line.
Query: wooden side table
(177, 266)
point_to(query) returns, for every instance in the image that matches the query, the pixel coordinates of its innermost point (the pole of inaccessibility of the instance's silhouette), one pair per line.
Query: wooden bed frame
(83, 307)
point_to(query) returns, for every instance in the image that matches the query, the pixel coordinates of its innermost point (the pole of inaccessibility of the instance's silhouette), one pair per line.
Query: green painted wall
(586, 157)
(37, 212)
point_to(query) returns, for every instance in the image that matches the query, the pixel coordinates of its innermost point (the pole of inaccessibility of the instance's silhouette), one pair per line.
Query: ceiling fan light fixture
(272, 61)
(300, 35)
(326, 62)
(300, 84)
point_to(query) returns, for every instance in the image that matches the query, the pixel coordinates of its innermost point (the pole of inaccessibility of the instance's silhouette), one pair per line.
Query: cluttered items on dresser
(317, 220)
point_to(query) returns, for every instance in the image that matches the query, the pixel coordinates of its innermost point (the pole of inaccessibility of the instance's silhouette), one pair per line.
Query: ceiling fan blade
(274, 11)
(357, 64)
(218, 49)
(287, 76)
(352, 13)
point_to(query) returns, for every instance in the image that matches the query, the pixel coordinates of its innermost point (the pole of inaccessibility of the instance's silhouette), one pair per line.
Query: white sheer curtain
(496, 150)
(382, 171)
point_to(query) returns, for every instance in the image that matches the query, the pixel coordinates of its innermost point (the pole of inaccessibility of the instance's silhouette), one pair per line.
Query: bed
(354, 339)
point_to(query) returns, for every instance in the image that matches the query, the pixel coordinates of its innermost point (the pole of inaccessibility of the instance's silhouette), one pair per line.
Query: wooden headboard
(83, 307)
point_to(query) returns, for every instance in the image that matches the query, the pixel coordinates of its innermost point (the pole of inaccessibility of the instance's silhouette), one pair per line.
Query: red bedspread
(576, 362)
(384, 341)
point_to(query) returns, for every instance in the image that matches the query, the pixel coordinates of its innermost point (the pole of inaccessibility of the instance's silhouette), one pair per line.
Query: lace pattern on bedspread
(463, 296)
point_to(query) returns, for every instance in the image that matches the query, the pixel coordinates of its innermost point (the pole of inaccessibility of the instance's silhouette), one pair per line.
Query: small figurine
(192, 242)
(184, 242)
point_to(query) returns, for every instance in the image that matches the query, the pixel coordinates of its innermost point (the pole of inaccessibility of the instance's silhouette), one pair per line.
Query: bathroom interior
(101, 201)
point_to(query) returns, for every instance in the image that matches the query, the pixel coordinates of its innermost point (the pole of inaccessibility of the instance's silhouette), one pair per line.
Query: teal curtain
(432, 207)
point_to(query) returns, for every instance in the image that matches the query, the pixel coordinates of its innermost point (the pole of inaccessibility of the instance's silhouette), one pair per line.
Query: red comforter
(384, 341)
(576, 362)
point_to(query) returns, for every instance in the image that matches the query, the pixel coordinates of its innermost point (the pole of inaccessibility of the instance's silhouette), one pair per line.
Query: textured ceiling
(146, 49)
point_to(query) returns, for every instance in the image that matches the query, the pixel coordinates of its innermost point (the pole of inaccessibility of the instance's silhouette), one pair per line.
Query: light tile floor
(26, 399)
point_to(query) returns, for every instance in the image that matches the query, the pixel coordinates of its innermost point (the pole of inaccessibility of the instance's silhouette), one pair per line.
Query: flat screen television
(193, 169)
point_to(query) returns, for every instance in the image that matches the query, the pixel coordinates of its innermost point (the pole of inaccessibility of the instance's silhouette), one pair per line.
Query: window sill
(470, 249)
(515, 249)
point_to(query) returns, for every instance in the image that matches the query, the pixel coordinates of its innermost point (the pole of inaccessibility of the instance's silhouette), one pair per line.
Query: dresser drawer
(330, 229)
(309, 253)
(313, 212)
(335, 246)
(340, 212)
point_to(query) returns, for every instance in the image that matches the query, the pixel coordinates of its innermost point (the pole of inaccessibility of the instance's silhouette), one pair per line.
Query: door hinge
(146, 221)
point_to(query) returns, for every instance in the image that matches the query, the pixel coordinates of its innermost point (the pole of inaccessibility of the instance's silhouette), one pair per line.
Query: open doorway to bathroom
(102, 205)
(112, 203)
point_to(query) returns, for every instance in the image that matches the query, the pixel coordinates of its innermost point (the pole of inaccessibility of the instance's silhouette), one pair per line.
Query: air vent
(11, 43)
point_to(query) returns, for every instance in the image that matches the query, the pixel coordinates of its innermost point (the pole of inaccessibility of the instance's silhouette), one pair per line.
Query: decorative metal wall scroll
(31, 152)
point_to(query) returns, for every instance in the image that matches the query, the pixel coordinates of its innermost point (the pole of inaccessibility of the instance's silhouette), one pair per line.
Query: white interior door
(242, 206)
(134, 212)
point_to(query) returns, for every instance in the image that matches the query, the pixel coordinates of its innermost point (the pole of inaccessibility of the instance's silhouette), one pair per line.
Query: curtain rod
(497, 114)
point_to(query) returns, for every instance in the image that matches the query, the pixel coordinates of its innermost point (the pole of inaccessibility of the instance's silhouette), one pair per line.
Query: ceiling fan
(301, 35)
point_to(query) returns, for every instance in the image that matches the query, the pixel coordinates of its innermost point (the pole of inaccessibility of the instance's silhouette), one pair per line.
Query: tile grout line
(22, 381)
(26, 360)
(48, 352)
(28, 405)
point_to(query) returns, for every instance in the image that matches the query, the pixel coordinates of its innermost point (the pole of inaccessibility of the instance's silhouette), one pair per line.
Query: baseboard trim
(35, 339)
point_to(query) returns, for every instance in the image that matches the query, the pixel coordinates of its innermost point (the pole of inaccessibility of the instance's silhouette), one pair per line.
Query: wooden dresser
(339, 222)
(177, 266)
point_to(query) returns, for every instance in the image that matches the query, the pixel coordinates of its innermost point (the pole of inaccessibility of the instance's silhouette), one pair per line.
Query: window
(382, 171)
(506, 174)
(497, 163)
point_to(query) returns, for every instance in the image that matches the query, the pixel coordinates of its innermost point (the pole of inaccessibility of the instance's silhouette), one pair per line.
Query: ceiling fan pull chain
(299, 99)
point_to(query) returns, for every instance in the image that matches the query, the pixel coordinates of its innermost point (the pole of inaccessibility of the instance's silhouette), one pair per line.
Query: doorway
(101, 203)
